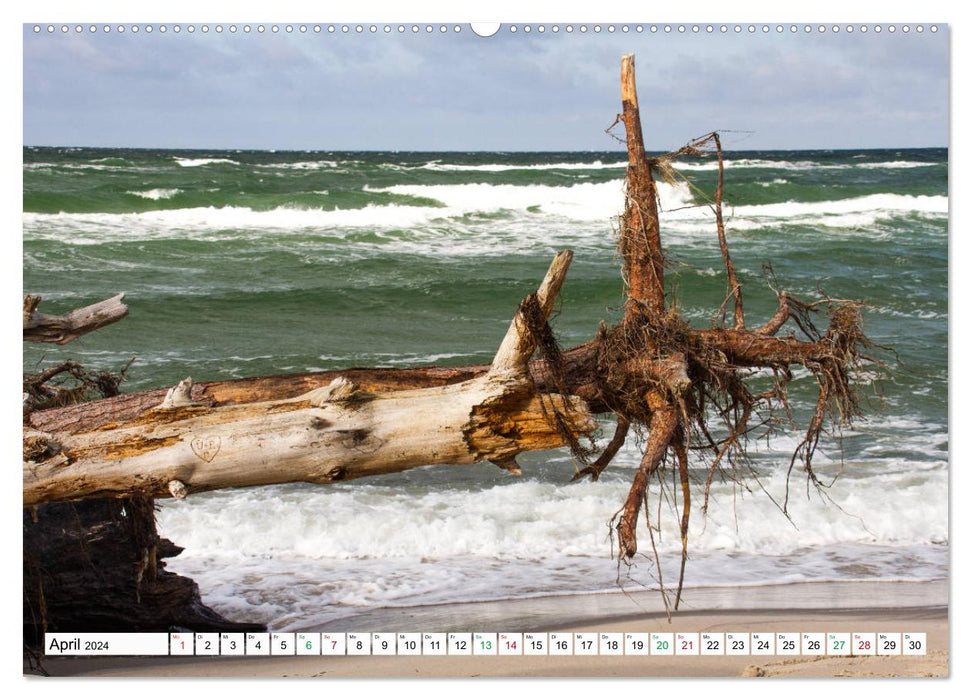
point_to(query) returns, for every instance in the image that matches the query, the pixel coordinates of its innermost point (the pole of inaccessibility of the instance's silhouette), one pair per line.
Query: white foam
(196, 162)
(897, 164)
(755, 163)
(835, 216)
(680, 216)
(385, 359)
(156, 194)
(534, 520)
(502, 167)
(912, 313)
(305, 165)
(84, 166)
(581, 202)
(799, 165)
(535, 215)
(176, 222)
(585, 201)
(292, 556)
(933, 204)
(853, 213)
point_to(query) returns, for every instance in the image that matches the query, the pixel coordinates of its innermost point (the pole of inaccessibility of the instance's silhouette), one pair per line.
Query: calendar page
(365, 349)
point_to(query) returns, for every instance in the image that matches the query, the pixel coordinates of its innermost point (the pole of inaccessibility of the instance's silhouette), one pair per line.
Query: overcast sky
(463, 92)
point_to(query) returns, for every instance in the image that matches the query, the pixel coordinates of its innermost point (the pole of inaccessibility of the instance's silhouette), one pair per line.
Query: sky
(459, 91)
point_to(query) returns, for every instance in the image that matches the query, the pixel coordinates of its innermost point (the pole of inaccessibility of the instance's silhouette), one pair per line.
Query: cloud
(447, 91)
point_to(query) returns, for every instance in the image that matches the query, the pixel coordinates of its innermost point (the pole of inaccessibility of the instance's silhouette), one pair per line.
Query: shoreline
(826, 607)
(555, 612)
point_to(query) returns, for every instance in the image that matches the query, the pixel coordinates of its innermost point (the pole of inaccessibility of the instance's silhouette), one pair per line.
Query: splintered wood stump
(332, 433)
(640, 236)
(98, 566)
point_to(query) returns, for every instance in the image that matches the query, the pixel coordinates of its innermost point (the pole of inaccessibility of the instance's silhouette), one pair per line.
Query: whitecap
(196, 162)
(156, 193)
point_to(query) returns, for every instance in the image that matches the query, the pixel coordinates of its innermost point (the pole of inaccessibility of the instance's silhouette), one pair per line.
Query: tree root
(657, 373)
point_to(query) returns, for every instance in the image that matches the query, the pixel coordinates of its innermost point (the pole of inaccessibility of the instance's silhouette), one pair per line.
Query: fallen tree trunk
(328, 434)
(580, 363)
(47, 328)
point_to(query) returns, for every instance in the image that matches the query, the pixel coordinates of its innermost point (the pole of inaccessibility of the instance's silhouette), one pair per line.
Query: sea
(245, 263)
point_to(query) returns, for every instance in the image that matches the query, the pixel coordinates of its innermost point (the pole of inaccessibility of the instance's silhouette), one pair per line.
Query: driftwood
(47, 328)
(97, 566)
(328, 434)
(580, 363)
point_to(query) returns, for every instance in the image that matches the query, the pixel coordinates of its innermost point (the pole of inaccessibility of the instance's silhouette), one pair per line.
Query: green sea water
(243, 263)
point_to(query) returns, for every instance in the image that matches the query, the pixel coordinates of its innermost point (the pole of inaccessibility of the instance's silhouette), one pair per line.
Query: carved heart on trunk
(206, 449)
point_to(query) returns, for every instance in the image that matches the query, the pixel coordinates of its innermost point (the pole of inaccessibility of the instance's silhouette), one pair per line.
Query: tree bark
(640, 235)
(46, 328)
(579, 367)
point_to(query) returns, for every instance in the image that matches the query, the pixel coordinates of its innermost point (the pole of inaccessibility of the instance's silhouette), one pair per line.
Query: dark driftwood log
(98, 566)
(47, 328)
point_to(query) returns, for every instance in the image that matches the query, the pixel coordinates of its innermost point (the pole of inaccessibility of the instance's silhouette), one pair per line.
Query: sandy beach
(812, 607)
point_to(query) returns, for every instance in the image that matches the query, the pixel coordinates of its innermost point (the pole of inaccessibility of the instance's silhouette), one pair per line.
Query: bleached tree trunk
(328, 434)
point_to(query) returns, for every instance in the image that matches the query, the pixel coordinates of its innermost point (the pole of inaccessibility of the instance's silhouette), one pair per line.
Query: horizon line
(454, 150)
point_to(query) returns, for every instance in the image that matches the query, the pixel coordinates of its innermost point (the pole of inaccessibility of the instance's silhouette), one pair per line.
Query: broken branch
(46, 328)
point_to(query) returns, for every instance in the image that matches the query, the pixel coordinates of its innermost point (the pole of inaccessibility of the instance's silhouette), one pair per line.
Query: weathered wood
(774, 324)
(579, 364)
(640, 234)
(125, 407)
(333, 433)
(753, 349)
(518, 344)
(664, 421)
(640, 246)
(98, 566)
(735, 289)
(47, 328)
